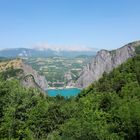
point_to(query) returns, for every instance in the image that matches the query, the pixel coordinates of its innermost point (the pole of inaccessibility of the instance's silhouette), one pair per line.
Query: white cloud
(58, 48)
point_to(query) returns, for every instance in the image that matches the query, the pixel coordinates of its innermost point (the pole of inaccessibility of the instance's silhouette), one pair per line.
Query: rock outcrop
(32, 78)
(26, 74)
(105, 61)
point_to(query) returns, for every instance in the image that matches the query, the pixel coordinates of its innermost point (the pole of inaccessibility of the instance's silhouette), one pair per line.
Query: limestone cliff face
(105, 61)
(32, 78)
(26, 74)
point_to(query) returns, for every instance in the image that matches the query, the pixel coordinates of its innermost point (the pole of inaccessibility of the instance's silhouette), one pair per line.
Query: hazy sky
(105, 24)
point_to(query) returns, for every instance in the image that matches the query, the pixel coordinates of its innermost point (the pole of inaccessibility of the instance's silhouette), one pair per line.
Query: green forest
(108, 109)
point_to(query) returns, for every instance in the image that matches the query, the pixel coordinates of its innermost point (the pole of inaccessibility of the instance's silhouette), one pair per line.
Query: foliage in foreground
(107, 110)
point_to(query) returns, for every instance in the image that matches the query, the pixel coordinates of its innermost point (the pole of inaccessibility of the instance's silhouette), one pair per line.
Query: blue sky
(99, 24)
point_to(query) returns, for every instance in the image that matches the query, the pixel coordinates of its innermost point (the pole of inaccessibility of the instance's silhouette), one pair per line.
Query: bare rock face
(26, 74)
(32, 78)
(105, 61)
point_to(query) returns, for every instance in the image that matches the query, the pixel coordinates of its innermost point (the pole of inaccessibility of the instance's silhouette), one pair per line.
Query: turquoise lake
(63, 92)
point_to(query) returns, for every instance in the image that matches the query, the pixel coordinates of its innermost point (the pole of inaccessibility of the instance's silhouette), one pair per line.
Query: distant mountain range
(45, 52)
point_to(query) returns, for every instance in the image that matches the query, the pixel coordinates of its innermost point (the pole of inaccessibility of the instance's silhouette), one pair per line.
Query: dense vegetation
(137, 49)
(107, 110)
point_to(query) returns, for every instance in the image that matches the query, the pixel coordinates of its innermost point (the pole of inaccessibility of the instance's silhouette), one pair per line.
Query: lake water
(63, 92)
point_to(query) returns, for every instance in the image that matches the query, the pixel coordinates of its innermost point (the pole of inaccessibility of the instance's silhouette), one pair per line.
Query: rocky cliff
(25, 73)
(32, 78)
(105, 61)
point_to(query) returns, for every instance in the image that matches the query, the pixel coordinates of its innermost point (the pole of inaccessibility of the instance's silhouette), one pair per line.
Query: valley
(106, 109)
(59, 71)
(69, 70)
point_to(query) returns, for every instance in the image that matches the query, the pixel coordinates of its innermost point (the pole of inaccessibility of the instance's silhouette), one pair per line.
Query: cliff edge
(105, 61)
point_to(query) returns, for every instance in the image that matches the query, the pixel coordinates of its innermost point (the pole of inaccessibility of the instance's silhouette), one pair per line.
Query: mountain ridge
(105, 61)
(48, 52)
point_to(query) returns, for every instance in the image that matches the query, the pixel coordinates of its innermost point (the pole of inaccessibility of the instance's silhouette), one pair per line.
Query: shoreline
(68, 87)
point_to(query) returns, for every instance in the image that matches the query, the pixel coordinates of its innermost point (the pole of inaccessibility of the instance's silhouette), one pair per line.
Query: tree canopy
(108, 109)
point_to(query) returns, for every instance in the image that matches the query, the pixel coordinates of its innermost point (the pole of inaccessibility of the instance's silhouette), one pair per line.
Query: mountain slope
(105, 61)
(109, 109)
(28, 76)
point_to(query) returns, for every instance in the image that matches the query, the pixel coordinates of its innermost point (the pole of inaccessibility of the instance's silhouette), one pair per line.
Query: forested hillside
(107, 110)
